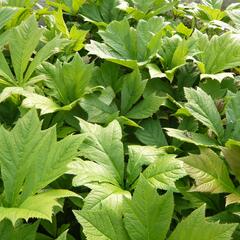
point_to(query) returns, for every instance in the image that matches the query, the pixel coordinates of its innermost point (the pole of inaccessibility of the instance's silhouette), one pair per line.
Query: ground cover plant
(119, 120)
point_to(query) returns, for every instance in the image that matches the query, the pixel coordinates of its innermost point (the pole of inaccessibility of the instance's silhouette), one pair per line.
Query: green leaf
(148, 216)
(32, 100)
(21, 232)
(213, 3)
(231, 152)
(90, 172)
(105, 224)
(146, 108)
(173, 53)
(151, 133)
(202, 107)
(195, 227)
(128, 46)
(192, 137)
(24, 40)
(36, 206)
(37, 159)
(132, 90)
(6, 13)
(54, 46)
(221, 53)
(101, 12)
(107, 195)
(68, 81)
(104, 146)
(63, 236)
(138, 157)
(164, 172)
(209, 171)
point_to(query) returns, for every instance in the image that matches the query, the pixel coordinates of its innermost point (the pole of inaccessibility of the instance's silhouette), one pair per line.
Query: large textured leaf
(128, 46)
(164, 172)
(21, 232)
(104, 146)
(209, 172)
(202, 107)
(148, 216)
(33, 157)
(221, 53)
(195, 227)
(105, 224)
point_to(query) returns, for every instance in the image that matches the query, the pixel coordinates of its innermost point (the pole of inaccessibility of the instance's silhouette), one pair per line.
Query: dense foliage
(120, 120)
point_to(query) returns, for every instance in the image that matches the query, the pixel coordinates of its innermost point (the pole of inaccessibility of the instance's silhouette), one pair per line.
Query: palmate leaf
(127, 46)
(202, 107)
(104, 146)
(23, 41)
(132, 89)
(35, 159)
(209, 172)
(164, 172)
(141, 9)
(148, 216)
(195, 227)
(104, 224)
(221, 53)
(68, 81)
(140, 156)
(101, 12)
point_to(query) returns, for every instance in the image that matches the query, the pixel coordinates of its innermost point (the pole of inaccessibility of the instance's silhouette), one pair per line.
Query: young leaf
(148, 216)
(202, 107)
